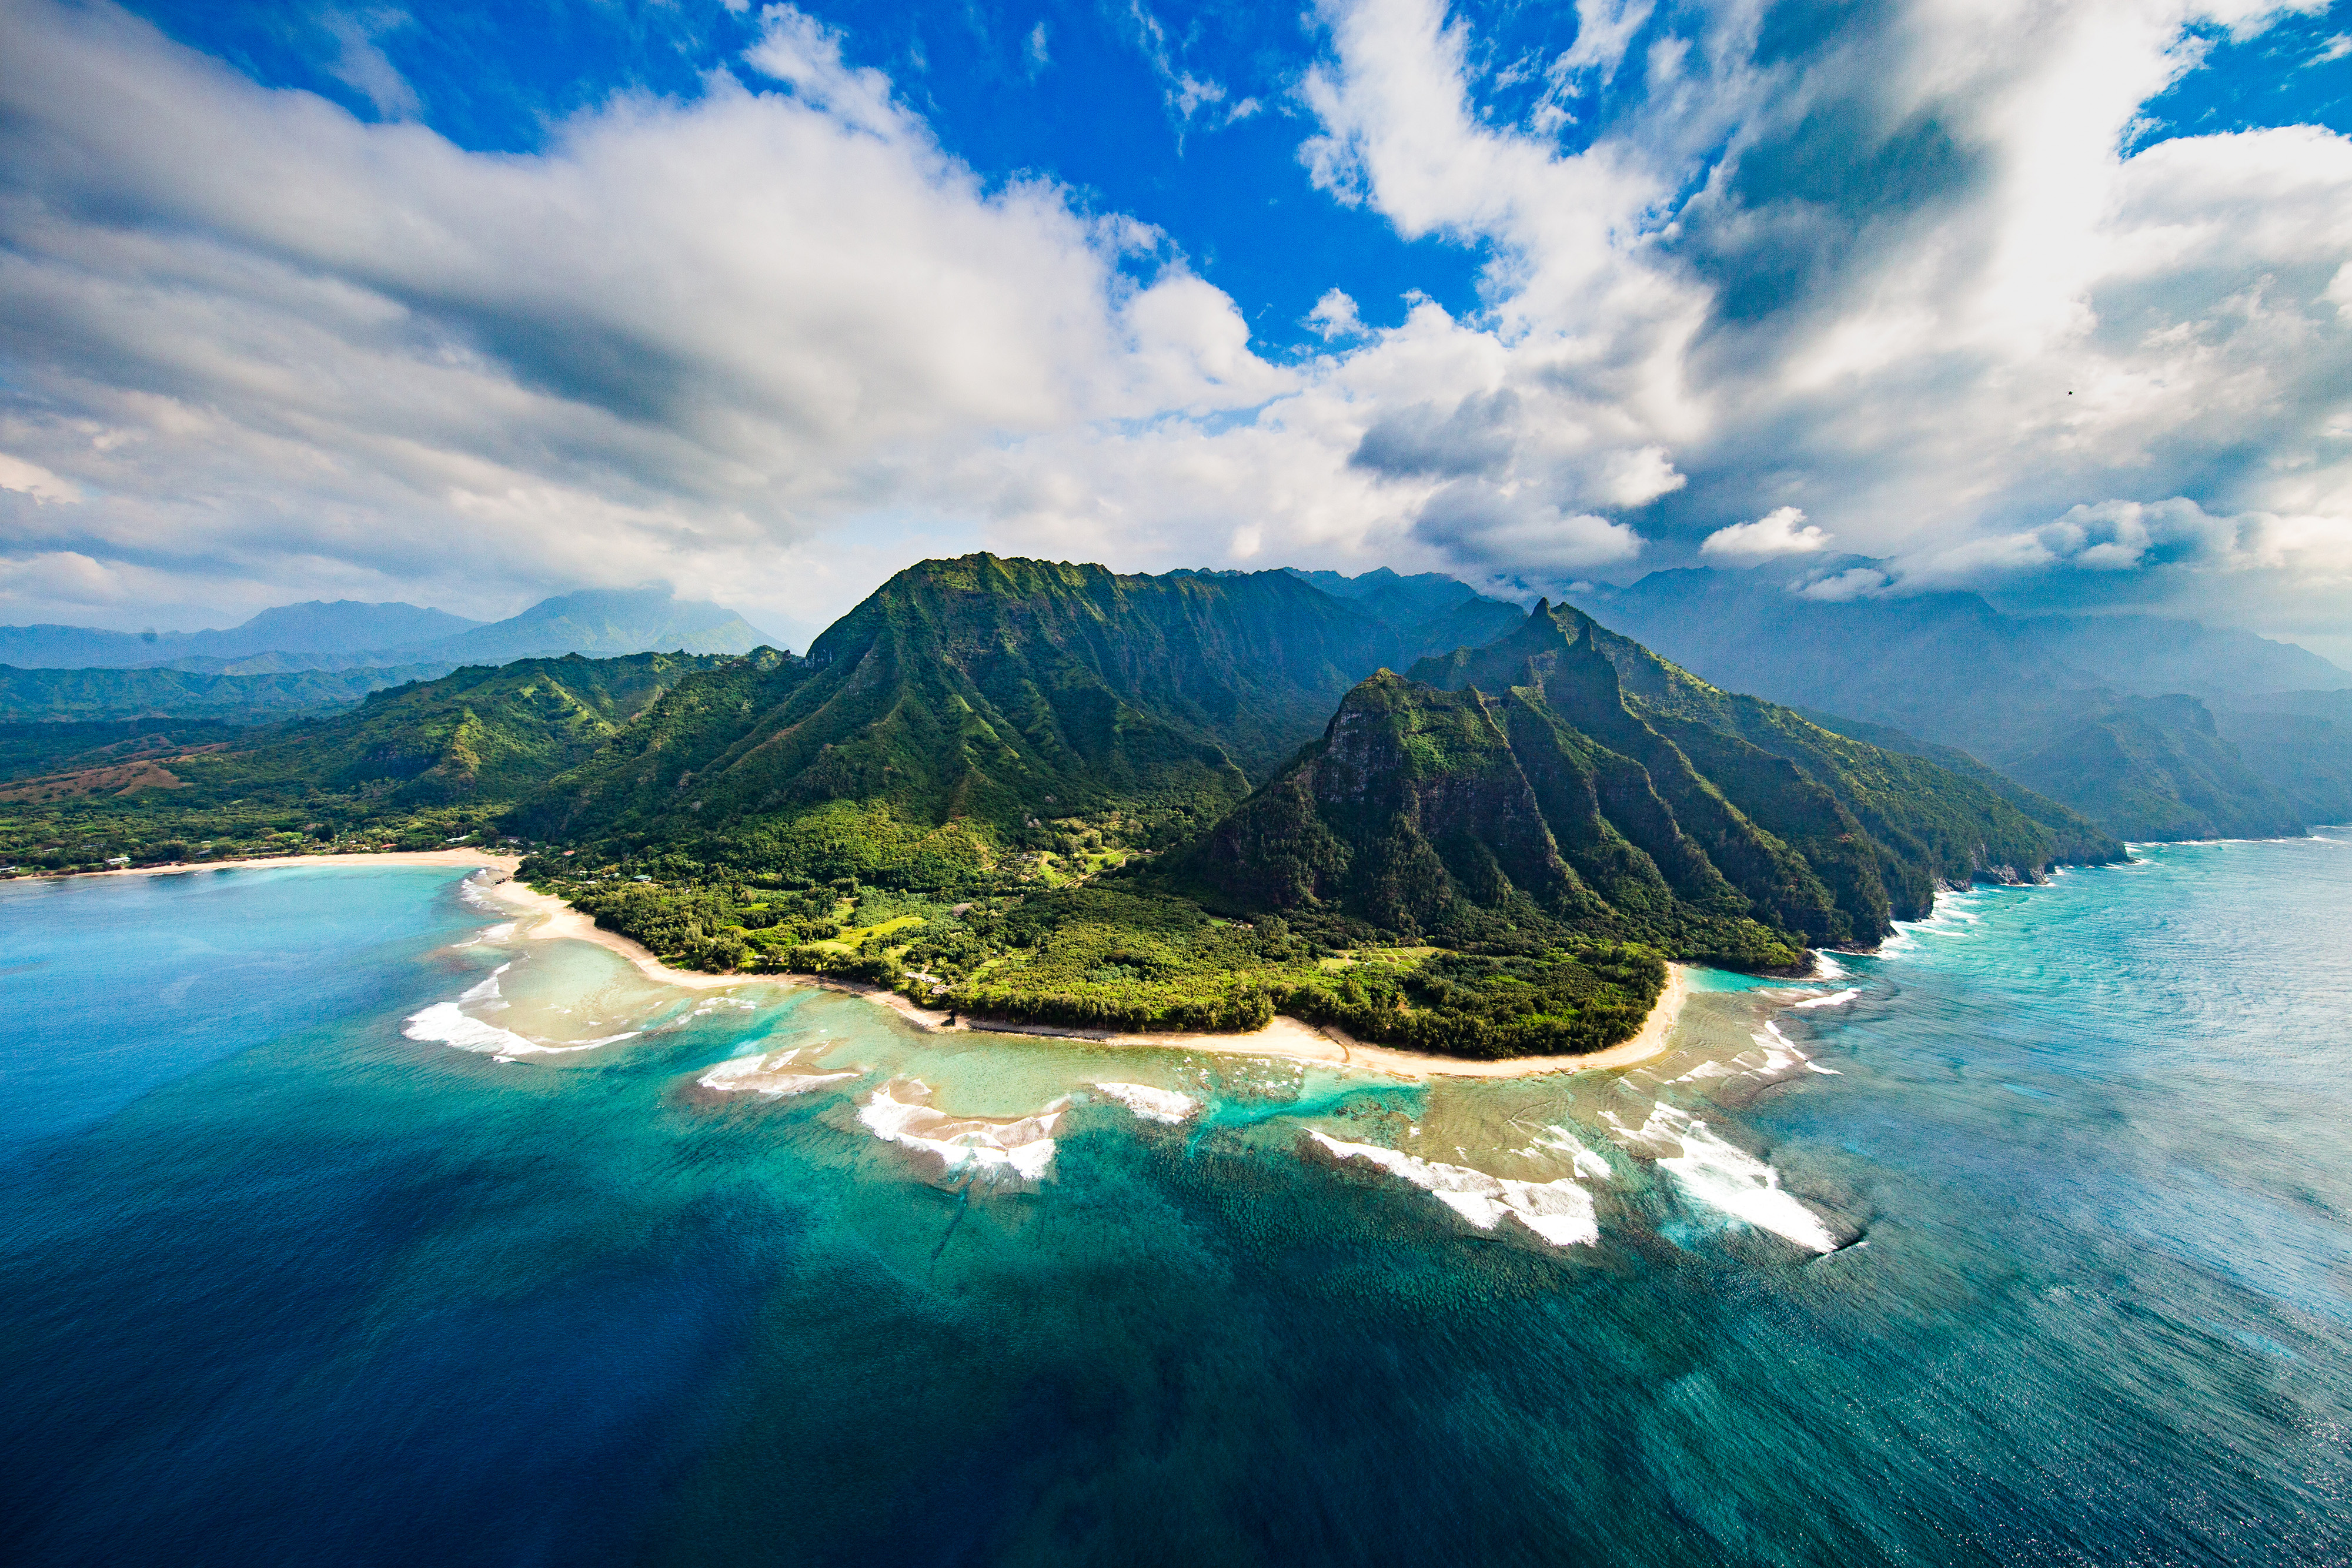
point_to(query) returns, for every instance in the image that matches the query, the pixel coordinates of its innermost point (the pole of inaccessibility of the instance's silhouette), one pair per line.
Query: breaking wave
(1149, 1104)
(1561, 1212)
(1722, 1177)
(772, 1075)
(900, 1113)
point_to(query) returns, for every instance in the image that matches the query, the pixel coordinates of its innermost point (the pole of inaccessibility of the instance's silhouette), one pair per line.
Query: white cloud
(1777, 533)
(32, 479)
(1855, 582)
(1334, 315)
(754, 341)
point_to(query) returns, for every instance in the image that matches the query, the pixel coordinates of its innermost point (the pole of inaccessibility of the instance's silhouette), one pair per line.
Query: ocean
(342, 1223)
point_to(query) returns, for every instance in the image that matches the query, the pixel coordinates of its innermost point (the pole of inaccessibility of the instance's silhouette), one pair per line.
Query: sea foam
(1722, 1177)
(900, 1113)
(771, 1075)
(1149, 1104)
(1561, 1212)
(1774, 1054)
(1583, 1160)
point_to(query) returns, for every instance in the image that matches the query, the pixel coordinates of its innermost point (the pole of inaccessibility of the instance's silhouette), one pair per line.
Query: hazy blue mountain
(603, 622)
(2301, 740)
(2151, 655)
(321, 634)
(1436, 612)
(2144, 759)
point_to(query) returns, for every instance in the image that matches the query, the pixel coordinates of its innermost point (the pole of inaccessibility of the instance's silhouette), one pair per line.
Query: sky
(468, 305)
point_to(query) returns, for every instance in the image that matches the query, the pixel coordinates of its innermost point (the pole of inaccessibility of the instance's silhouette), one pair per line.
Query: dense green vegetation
(1565, 784)
(409, 768)
(965, 704)
(87, 695)
(1035, 792)
(1102, 957)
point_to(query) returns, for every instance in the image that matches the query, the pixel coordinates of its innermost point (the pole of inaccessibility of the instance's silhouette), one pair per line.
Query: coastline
(1287, 1038)
(484, 858)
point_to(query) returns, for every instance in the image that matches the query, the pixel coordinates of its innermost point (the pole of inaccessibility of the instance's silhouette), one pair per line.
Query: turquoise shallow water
(286, 1285)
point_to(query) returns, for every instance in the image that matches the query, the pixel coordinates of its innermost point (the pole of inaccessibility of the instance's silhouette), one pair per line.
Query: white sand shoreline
(273, 862)
(1287, 1038)
(553, 918)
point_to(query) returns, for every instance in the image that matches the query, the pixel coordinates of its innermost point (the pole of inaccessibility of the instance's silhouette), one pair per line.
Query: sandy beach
(551, 918)
(1299, 1041)
(1285, 1037)
(376, 857)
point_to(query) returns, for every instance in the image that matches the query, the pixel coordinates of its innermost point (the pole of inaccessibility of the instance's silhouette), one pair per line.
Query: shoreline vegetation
(1285, 1036)
(555, 918)
(1050, 798)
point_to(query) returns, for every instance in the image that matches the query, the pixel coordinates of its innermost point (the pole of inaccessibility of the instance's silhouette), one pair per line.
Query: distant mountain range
(2154, 728)
(346, 634)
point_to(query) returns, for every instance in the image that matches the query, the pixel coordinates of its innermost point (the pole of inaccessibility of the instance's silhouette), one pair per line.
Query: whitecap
(1583, 1160)
(487, 988)
(470, 890)
(1561, 1212)
(900, 1113)
(445, 1023)
(1149, 1104)
(495, 933)
(1835, 999)
(1724, 1177)
(766, 1075)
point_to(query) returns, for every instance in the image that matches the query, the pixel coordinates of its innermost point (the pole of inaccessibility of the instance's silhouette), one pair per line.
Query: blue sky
(468, 303)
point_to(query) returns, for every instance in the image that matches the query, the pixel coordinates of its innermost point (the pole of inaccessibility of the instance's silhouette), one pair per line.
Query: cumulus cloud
(1335, 315)
(1780, 531)
(1915, 271)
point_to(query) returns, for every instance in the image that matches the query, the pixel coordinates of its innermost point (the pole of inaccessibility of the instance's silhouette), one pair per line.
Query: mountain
(599, 623)
(95, 695)
(2303, 741)
(1952, 670)
(966, 700)
(2153, 656)
(1564, 781)
(1433, 610)
(347, 634)
(415, 761)
(324, 635)
(1043, 791)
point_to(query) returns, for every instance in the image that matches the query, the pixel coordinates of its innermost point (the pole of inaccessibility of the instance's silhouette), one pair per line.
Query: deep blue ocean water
(283, 1285)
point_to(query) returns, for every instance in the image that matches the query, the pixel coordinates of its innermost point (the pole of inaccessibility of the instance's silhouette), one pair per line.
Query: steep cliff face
(1422, 812)
(1563, 779)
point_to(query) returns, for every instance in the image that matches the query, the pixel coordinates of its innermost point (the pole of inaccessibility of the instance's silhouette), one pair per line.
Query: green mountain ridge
(1564, 780)
(419, 761)
(1050, 792)
(964, 702)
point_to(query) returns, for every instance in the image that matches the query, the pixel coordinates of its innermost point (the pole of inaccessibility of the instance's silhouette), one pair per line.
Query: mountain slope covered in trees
(967, 703)
(1565, 780)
